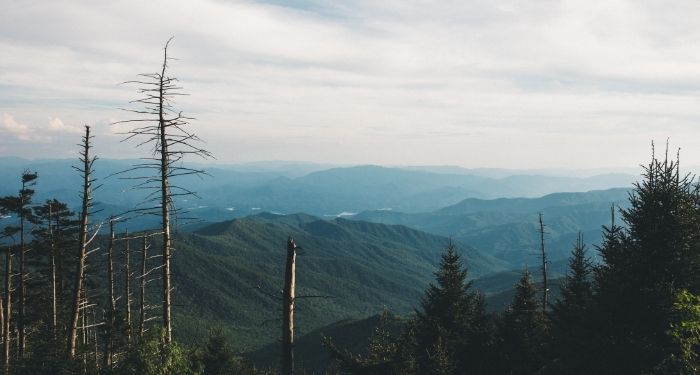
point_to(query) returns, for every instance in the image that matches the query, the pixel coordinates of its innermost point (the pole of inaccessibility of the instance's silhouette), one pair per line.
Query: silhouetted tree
(450, 319)
(571, 315)
(524, 330)
(86, 171)
(646, 264)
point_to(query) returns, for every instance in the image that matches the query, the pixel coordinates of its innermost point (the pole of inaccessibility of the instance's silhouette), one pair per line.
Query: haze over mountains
(491, 210)
(372, 235)
(290, 187)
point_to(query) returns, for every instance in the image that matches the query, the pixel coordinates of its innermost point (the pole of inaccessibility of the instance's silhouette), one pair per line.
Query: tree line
(635, 312)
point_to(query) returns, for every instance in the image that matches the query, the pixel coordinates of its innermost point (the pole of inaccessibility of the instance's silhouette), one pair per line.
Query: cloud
(12, 126)
(22, 132)
(57, 125)
(360, 80)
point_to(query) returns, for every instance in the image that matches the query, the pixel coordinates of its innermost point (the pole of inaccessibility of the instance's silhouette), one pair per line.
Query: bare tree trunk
(165, 203)
(22, 277)
(94, 339)
(142, 304)
(7, 349)
(54, 313)
(127, 287)
(2, 320)
(545, 288)
(83, 241)
(107, 357)
(288, 309)
(84, 330)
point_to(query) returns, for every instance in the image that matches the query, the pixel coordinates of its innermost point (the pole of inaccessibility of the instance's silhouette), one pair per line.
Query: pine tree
(525, 330)
(382, 352)
(646, 263)
(450, 320)
(572, 313)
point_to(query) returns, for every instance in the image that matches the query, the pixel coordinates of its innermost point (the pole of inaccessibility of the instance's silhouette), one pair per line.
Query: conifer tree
(450, 318)
(571, 314)
(524, 330)
(646, 263)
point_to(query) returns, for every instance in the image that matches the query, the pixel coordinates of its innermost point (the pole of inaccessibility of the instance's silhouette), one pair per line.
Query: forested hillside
(230, 274)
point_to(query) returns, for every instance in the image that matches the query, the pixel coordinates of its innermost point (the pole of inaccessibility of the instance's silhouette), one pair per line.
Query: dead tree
(543, 256)
(162, 127)
(127, 286)
(108, 348)
(7, 344)
(142, 287)
(86, 170)
(288, 309)
(52, 243)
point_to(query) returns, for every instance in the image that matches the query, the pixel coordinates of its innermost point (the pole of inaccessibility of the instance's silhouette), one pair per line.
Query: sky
(477, 83)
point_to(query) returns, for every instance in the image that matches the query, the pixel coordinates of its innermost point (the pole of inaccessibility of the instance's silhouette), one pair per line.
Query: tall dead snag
(85, 170)
(543, 256)
(142, 287)
(107, 356)
(127, 286)
(288, 309)
(164, 129)
(52, 243)
(7, 344)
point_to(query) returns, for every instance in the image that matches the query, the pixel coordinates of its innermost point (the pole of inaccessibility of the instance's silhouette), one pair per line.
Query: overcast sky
(477, 83)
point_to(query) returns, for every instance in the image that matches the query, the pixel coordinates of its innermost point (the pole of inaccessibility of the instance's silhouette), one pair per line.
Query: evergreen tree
(524, 332)
(217, 357)
(685, 332)
(450, 321)
(382, 354)
(646, 264)
(571, 314)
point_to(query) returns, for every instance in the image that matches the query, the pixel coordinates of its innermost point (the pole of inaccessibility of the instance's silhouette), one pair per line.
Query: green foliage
(450, 321)
(153, 357)
(572, 313)
(217, 357)
(525, 330)
(228, 274)
(381, 353)
(685, 333)
(647, 262)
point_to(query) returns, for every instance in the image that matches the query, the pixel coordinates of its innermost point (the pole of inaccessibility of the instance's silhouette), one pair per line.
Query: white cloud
(12, 126)
(21, 132)
(57, 125)
(360, 81)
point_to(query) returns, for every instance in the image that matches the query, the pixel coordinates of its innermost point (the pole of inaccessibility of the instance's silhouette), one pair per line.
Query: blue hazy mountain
(231, 191)
(507, 228)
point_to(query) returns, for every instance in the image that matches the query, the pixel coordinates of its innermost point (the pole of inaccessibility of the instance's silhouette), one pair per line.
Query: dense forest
(85, 295)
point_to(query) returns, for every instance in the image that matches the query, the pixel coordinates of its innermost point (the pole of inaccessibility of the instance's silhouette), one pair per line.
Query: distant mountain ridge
(507, 228)
(237, 191)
